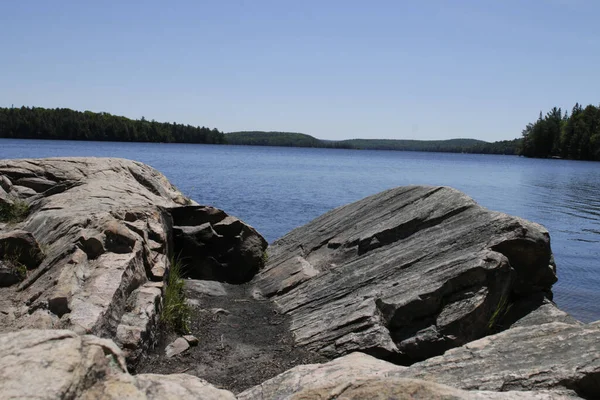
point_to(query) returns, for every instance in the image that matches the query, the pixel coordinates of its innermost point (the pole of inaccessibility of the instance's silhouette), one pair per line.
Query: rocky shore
(415, 292)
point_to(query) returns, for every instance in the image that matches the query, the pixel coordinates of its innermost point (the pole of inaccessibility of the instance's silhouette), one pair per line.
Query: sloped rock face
(59, 364)
(405, 274)
(101, 240)
(554, 356)
(359, 376)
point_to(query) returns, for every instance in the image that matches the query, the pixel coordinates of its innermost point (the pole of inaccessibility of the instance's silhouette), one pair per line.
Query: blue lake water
(276, 189)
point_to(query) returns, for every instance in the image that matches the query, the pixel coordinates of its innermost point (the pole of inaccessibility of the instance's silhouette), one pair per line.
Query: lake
(276, 189)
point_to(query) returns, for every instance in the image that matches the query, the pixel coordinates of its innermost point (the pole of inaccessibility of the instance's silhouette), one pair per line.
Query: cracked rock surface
(99, 235)
(405, 274)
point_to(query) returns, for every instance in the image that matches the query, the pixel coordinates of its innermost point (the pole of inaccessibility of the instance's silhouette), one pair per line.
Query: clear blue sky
(332, 69)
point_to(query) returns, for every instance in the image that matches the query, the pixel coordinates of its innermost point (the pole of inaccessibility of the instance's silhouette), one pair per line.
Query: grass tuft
(175, 313)
(501, 309)
(14, 212)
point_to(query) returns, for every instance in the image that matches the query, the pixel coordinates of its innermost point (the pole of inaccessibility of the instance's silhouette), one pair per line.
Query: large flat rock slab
(553, 356)
(359, 376)
(405, 274)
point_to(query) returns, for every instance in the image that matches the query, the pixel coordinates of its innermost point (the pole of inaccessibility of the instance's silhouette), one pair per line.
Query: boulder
(352, 367)
(359, 376)
(106, 227)
(59, 364)
(96, 220)
(177, 347)
(554, 356)
(405, 274)
(20, 247)
(216, 246)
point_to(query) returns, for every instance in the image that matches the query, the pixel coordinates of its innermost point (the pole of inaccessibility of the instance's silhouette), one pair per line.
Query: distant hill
(291, 139)
(286, 139)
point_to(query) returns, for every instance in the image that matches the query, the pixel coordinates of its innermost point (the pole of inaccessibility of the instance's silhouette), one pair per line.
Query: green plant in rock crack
(175, 313)
(501, 309)
(15, 211)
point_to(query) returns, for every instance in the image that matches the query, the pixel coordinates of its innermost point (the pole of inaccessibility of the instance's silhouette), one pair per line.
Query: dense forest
(259, 138)
(285, 139)
(559, 135)
(67, 124)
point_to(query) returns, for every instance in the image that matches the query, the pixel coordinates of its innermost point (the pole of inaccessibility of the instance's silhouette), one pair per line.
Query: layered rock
(217, 246)
(554, 356)
(102, 231)
(359, 376)
(405, 274)
(59, 364)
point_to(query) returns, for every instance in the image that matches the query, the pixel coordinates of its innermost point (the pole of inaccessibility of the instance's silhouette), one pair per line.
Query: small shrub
(175, 313)
(14, 212)
(265, 258)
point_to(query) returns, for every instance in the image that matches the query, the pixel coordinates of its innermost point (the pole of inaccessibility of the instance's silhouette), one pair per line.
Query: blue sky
(333, 69)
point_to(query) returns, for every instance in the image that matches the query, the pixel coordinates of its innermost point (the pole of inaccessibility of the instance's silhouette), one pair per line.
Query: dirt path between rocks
(243, 341)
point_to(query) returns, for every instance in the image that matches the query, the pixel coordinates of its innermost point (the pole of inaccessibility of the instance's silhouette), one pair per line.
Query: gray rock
(209, 288)
(5, 183)
(405, 274)
(554, 356)
(359, 376)
(96, 222)
(409, 389)
(177, 347)
(21, 247)
(536, 310)
(191, 339)
(35, 183)
(59, 364)
(217, 246)
(345, 369)
(9, 274)
(22, 192)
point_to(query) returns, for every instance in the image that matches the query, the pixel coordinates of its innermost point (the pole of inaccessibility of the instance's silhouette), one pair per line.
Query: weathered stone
(554, 356)
(59, 364)
(5, 200)
(191, 339)
(20, 246)
(96, 222)
(210, 288)
(22, 192)
(408, 389)
(5, 184)
(405, 274)
(35, 183)
(177, 347)
(359, 376)
(49, 364)
(535, 310)
(349, 368)
(9, 274)
(215, 246)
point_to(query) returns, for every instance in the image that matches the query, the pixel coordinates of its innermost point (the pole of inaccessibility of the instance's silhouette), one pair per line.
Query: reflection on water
(278, 189)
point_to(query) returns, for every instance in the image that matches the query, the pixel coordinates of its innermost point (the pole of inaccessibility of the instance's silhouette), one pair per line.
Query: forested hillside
(290, 139)
(557, 134)
(286, 139)
(67, 124)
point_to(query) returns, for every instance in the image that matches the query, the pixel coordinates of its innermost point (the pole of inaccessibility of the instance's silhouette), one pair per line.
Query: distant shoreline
(66, 124)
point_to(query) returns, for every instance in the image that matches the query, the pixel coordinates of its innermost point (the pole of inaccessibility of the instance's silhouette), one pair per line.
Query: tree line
(67, 124)
(560, 135)
(290, 139)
